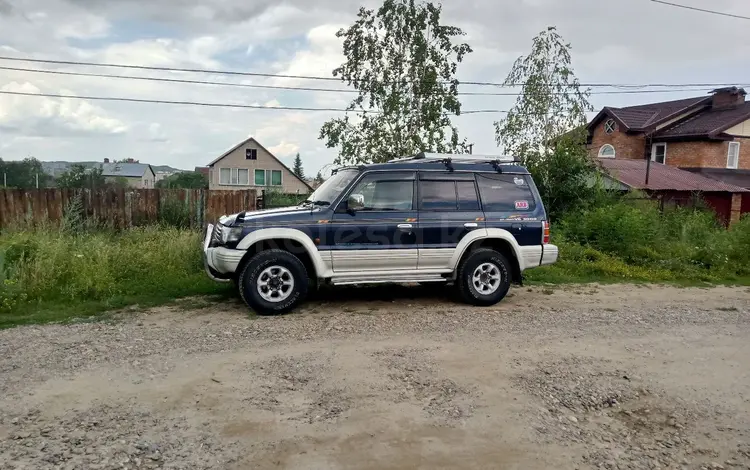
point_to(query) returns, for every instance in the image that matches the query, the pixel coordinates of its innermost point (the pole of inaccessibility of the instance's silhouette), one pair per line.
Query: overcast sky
(633, 41)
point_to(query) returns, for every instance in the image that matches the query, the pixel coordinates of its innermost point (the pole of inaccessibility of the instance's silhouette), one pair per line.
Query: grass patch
(50, 275)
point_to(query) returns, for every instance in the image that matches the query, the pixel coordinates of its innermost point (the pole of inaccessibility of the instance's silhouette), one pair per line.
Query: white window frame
(610, 129)
(234, 177)
(736, 145)
(229, 180)
(601, 150)
(653, 152)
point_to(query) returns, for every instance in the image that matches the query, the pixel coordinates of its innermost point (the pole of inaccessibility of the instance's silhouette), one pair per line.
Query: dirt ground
(582, 377)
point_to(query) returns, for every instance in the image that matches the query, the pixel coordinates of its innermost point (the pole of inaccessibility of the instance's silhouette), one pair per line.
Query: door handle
(405, 227)
(470, 225)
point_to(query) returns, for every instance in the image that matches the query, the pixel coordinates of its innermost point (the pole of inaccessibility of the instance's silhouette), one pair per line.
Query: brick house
(694, 134)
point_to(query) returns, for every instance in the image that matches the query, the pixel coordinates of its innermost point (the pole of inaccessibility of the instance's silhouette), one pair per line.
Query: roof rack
(449, 159)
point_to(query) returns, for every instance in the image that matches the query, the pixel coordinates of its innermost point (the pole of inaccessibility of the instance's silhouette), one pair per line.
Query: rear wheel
(484, 277)
(273, 282)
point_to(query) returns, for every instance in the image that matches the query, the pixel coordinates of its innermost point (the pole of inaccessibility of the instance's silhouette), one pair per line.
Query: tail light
(545, 232)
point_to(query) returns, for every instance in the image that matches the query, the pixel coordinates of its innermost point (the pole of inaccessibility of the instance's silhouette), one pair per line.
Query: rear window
(506, 193)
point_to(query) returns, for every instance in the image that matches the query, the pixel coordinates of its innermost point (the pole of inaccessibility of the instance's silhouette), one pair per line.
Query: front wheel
(273, 282)
(484, 277)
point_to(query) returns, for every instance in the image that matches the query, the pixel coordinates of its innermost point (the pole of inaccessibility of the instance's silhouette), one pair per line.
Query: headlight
(231, 234)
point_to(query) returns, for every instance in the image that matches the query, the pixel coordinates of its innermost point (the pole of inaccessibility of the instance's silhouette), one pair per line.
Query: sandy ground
(390, 377)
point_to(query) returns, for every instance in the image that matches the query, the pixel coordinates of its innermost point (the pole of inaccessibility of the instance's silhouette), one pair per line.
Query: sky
(633, 41)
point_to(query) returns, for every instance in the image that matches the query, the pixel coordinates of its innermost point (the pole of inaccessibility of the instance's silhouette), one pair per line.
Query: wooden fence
(121, 208)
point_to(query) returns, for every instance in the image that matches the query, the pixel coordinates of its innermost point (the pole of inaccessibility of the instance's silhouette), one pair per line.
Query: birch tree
(403, 61)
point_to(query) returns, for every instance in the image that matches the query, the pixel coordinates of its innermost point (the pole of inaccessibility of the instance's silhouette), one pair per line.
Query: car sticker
(519, 181)
(522, 205)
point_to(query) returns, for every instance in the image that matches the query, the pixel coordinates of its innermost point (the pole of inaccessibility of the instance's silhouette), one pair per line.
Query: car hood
(281, 214)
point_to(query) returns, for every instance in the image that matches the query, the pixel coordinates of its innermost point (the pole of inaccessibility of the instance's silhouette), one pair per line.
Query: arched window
(607, 151)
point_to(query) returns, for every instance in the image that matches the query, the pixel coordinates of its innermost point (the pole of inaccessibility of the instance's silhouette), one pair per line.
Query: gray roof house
(138, 175)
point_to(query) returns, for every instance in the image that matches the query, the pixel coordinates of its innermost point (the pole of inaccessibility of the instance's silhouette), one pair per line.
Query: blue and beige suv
(477, 223)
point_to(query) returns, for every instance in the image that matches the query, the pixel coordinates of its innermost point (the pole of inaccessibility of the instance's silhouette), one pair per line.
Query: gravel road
(613, 377)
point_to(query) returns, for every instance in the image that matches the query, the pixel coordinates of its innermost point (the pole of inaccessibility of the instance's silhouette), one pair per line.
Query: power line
(702, 10)
(212, 105)
(312, 77)
(313, 89)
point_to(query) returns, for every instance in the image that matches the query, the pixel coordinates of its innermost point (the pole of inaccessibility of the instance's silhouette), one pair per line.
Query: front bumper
(220, 263)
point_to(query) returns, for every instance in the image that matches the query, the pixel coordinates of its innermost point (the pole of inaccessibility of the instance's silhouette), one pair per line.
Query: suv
(474, 222)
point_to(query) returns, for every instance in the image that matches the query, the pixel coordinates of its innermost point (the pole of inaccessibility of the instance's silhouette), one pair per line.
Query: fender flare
(487, 234)
(290, 234)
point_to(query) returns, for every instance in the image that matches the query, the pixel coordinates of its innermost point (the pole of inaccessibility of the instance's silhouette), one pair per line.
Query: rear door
(448, 210)
(510, 202)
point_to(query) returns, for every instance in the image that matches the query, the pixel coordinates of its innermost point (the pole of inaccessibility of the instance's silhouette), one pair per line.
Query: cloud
(49, 116)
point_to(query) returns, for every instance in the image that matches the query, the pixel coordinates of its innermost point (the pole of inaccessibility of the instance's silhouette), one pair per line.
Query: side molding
(322, 269)
(484, 234)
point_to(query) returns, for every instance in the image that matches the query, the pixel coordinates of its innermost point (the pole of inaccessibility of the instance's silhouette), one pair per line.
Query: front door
(380, 233)
(448, 211)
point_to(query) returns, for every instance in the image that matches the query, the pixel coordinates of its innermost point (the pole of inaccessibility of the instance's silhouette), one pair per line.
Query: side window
(386, 192)
(467, 196)
(437, 195)
(506, 193)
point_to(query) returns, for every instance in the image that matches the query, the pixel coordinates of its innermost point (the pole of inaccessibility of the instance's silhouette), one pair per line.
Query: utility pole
(5, 180)
(648, 158)
(37, 181)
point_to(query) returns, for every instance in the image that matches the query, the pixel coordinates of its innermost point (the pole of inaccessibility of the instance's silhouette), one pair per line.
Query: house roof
(663, 178)
(708, 123)
(251, 139)
(735, 177)
(127, 170)
(643, 116)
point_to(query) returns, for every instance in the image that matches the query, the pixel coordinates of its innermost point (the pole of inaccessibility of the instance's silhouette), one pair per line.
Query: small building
(679, 187)
(137, 175)
(249, 165)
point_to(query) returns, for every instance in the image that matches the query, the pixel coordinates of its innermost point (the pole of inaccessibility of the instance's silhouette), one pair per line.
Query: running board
(342, 281)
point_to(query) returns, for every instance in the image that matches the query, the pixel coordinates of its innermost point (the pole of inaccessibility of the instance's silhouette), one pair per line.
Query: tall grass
(54, 268)
(633, 240)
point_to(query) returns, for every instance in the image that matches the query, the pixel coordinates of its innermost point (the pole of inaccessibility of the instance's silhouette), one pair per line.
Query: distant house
(250, 165)
(137, 175)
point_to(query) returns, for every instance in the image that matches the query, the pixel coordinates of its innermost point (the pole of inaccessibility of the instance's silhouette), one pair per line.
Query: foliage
(551, 102)
(79, 176)
(49, 270)
(298, 170)
(184, 180)
(631, 240)
(403, 63)
(23, 174)
(173, 211)
(546, 126)
(74, 216)
(272, 198)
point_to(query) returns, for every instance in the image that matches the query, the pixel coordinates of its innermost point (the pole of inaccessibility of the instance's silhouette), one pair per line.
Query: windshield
(332, 187)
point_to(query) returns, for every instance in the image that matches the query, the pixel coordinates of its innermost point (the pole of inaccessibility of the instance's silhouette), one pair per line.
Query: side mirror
(355, 202)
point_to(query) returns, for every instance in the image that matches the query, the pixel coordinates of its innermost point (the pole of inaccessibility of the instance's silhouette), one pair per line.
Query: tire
(274, 270)
(490, 262)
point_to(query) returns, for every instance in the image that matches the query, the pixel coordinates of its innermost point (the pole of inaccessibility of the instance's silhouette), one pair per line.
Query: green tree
(403, 63)
(319, 179)
(546, 126)
(184, 180)
(298, 170)
(78, 176)
(551, 102)
(23, 174)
